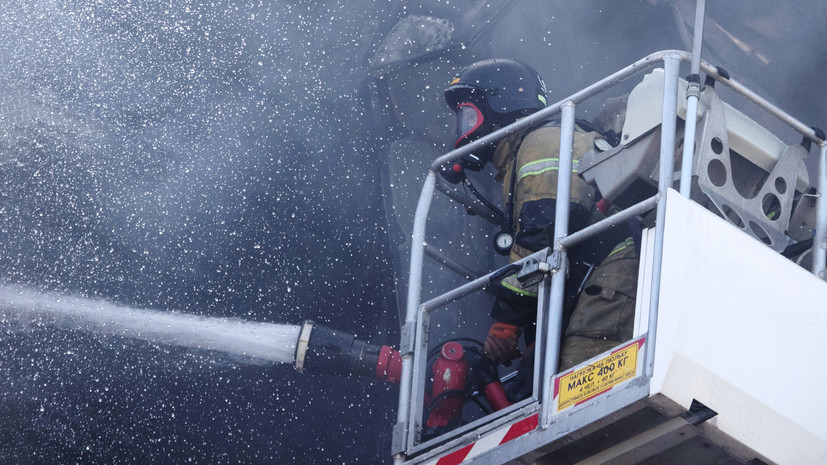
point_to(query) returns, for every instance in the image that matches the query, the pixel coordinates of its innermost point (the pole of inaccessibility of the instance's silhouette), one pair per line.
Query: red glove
(501, 343)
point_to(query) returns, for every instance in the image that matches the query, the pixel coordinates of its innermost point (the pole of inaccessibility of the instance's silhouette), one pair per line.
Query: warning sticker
(596, 378)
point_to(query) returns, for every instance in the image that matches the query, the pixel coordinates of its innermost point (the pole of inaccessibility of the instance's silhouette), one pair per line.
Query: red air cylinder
(450, 374)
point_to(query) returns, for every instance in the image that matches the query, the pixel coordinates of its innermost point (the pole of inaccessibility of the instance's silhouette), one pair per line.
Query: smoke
(224, 159)
(195, 156)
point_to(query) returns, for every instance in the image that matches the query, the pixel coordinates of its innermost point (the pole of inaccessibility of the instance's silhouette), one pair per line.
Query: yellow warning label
(598, 377)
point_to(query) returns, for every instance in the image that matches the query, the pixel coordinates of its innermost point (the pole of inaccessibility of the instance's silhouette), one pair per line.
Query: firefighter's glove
(501, 343)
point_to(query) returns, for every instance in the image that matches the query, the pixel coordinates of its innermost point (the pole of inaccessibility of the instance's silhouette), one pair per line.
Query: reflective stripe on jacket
(538, 167)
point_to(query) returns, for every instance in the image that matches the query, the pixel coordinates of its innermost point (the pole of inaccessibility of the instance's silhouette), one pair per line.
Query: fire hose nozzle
(334, 352)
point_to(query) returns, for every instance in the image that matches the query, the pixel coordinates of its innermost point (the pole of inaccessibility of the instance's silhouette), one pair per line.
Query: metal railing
(550, 316)
(421, 337)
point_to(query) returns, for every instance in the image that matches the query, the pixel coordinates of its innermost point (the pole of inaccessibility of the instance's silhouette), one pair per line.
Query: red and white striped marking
(494, 439)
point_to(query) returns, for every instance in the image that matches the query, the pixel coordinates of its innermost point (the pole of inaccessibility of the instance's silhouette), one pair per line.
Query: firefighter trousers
(604, 313)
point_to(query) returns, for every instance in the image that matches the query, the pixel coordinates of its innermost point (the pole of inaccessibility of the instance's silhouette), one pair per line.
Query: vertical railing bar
(688, 154)
(697, 37)
(820, 239)
(418, 246)
(417, 402)
(561, 229)
(414, 286)
(667, 155)
(541, 341)
(693, 93)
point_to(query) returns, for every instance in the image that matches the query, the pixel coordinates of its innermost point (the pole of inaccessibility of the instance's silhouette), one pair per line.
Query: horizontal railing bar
(606, 223)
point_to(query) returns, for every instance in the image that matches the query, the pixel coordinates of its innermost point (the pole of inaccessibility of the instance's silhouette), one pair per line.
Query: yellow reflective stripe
(504, 283)
(541, 166)
(630, 241)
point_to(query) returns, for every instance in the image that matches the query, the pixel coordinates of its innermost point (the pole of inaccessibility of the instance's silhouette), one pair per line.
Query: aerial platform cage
(723, 364)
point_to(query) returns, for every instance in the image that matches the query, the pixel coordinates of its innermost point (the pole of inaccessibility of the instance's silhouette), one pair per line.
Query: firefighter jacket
(530, 159)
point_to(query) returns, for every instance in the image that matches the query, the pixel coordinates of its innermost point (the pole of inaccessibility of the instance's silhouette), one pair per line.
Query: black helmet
(491, 94)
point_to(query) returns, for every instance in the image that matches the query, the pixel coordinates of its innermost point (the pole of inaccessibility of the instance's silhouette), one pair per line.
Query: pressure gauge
(503, 241)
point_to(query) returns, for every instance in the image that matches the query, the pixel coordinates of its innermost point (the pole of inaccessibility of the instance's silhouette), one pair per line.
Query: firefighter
(605, 310)
(486, 96)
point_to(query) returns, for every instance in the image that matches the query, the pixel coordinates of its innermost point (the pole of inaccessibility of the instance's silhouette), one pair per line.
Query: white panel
(644, 282)
(744, 331)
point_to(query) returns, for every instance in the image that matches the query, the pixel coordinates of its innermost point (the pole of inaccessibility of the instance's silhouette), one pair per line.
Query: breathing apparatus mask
(472, 123)
(474, 120)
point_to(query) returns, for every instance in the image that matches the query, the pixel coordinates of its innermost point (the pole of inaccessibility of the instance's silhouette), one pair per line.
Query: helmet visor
(469, 119)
